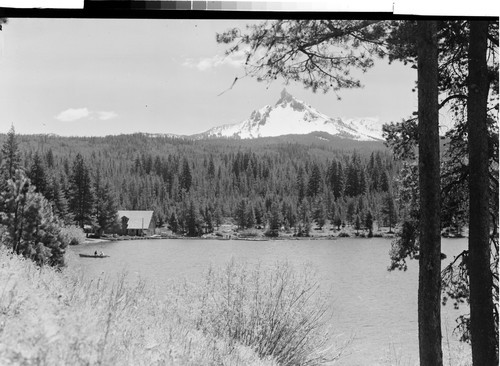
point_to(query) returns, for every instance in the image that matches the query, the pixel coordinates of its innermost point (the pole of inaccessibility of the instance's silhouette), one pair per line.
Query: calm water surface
(378, 308)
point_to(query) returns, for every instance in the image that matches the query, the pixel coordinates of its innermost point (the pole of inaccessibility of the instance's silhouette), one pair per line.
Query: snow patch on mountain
(292, 116)
(369, 126)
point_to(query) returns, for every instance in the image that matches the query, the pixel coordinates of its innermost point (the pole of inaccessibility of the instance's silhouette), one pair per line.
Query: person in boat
(95, 253)
(101, 254)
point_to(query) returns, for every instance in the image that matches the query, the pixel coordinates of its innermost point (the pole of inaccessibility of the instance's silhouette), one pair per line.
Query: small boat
(93, 256)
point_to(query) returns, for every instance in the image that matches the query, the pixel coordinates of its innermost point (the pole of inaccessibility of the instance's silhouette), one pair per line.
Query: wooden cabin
(136, 223)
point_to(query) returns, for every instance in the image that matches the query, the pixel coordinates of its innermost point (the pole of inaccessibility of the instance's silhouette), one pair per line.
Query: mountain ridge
(290, 116)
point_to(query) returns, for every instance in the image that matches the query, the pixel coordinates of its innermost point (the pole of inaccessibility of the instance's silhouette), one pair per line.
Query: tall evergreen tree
(305, 220)
(315, 181)
(259, 213)
(331, 208)
(105, 209)
(289, 214)
(185, 179)
(320, 214)
(351, 210)
(484, 340)
(218, 216)
(357, 224)
(10, 157)
(81, 200)
(30, 229)
(38, 176)
(49, 159)
(429, 284)
(241, 214)
(384, 181)
(249, 216)
(369, 223)
(274, 220)
(337, 221)
(352, 181)
(301, 186)
(192, 220)
(389, 211)
(339, 187)
(173, 223)
(362, 182)
(211, 168)
(60, 205)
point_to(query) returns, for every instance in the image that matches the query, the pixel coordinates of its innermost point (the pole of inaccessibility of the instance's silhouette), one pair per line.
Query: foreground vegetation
(237, 316)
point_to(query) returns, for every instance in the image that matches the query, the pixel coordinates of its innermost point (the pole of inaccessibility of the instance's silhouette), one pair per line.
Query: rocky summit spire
(290, 116)
(285, 97)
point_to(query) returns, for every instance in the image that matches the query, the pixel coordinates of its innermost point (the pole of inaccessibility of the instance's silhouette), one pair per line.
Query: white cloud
(235, 60)
(105, 115)
(73, 114)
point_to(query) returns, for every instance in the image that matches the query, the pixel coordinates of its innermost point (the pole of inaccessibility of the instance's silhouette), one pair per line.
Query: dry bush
(278, 312)
(240, 315)
(53, 318)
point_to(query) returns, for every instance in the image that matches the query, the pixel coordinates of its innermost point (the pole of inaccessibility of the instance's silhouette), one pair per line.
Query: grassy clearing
(238, 317)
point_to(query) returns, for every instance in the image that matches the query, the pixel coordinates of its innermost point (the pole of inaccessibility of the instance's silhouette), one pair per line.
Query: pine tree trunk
(482, 326)
(429, 285)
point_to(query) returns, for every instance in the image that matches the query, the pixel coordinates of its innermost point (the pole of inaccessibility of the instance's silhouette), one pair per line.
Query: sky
(96, 77)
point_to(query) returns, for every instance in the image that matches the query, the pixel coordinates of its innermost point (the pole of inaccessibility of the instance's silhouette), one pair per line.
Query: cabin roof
(135, 219)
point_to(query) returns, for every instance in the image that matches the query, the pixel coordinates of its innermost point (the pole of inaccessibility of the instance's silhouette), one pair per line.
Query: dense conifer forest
(194, 186)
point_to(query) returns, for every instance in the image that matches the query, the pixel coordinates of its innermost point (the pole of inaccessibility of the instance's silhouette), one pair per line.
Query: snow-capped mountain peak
(292, 116)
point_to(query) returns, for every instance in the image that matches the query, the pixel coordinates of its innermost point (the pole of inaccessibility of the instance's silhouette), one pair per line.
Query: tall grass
(53, 318)
(278, 312)
(239, 315)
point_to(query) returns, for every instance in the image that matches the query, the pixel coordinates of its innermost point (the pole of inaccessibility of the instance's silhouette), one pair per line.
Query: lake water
(378, 308)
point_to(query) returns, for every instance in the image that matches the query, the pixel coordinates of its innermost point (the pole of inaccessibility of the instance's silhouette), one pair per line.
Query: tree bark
(482, 321)
(429, 282)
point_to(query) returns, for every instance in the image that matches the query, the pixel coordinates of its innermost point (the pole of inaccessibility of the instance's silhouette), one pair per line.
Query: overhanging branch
(451, 97)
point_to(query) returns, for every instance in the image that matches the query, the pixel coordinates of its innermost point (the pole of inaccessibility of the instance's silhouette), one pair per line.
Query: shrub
(303, 230)
(344, 235)
(278, 312)
(51, 317)
(272, 233)
(72, 235)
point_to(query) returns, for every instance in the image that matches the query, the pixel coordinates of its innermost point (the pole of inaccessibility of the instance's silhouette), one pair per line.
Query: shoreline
(232, 238)
(260, 238)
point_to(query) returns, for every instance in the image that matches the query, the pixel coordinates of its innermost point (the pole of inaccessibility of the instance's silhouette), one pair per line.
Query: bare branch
(451, 97)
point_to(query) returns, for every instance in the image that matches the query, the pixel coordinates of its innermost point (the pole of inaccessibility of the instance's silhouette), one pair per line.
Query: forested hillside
(194, 186)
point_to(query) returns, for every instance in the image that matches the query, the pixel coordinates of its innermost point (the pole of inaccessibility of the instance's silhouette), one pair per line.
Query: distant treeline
(193, 186)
